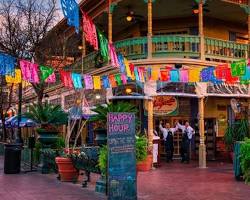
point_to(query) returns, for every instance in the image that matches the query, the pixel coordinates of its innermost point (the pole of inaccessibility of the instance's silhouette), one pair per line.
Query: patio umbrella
(25, 122)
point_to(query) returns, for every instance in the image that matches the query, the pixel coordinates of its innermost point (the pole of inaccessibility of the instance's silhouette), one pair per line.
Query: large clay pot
(146, 165)
(67, 171)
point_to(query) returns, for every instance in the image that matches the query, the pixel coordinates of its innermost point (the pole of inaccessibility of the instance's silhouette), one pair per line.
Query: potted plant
(49, 117)
(143, 159)
(245, 160)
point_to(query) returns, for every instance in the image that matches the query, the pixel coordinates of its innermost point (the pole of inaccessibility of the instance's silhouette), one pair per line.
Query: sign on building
(121, 156)
(165, 105)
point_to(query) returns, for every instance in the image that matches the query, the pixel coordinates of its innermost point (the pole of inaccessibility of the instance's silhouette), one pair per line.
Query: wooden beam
(110, 22)
(150, 124)
(202, 146)
(150, 32)
(201, 31)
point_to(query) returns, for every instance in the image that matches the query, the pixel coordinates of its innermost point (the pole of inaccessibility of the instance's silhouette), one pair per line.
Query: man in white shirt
(168, 140)
(187, 134)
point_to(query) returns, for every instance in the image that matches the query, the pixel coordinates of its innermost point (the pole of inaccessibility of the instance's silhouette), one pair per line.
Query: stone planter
(47, 138)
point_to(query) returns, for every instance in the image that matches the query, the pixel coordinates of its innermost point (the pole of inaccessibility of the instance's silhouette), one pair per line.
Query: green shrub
(103, 160)
(141, 148)
(245, 160)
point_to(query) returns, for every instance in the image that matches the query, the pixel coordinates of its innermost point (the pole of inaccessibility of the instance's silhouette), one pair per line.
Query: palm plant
(47, 115)
(103, 110)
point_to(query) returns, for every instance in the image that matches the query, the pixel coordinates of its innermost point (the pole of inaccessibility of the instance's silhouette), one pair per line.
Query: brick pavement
(172, 181)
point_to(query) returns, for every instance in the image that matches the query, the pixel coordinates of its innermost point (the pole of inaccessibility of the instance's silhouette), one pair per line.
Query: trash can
(12, 158)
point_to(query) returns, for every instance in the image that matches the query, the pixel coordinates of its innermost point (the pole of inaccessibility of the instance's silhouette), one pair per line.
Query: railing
(221, 49)
(176, 45)
(135, 48)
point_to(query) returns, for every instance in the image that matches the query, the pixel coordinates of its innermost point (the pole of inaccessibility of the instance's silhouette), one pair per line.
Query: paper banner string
(45, 72)
(229, 78)
(97, 82)
(220, 71)
(88, 81)
(16, 79)
(112, 81)
(239, 68)
(29, 71)
(141, 71)
(118, 79)
(113, 55)
(207, 74)
(121, 63)
(66, 78)
(89, 29)
(77, 80)
(105, 81)
(149, 73)
(71, 13)
(155, 74)
(194, 75)
(246, 78)
(7, 64)
(126, 63)
(174, 75)
(184, 75)
(103, 46)
(124, 79)
(137, 77)
(51, 78)
(164, 75)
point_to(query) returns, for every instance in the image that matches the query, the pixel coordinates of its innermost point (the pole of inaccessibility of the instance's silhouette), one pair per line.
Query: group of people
(168, 136)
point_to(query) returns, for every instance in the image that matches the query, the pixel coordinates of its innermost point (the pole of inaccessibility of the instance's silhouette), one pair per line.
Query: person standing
(187, 134)
(168, 136)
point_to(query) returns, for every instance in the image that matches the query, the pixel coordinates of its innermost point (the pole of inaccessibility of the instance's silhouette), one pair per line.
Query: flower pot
(47, 138)
(67, 171)
(145, 165)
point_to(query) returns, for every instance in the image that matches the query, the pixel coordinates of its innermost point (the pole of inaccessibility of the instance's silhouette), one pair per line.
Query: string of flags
(237, 72)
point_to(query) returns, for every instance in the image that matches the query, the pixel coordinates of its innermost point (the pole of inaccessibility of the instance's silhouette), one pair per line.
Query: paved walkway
(172, 181)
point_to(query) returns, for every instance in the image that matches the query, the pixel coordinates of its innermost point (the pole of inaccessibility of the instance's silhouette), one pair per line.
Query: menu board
(121, 156)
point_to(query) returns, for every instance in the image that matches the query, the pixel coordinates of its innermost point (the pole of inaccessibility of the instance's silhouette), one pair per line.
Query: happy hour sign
(121, 156)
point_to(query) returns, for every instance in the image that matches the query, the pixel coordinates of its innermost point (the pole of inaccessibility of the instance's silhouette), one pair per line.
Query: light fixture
(129, 16)
(80, 47)
(195, 11)
(128, 90)
(98, 96)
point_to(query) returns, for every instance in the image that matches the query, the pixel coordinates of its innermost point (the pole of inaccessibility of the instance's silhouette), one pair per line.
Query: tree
(23, 24)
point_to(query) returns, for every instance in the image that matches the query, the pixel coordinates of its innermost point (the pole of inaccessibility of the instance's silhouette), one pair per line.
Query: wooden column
(201, 31)
(202, 146)
(150, 32)
(110, 21)
(150, 124)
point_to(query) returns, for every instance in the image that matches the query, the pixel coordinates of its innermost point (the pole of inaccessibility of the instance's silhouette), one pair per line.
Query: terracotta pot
(145, 165)
(67, 171)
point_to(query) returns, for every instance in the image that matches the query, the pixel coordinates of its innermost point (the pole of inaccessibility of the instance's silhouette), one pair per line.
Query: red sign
(165, 105)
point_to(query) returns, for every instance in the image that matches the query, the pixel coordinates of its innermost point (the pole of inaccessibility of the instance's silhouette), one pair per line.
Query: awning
(25, 122)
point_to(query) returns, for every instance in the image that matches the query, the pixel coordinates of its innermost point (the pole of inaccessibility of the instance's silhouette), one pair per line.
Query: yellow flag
(129, 74)
(155, 74)
(14, 79)
(97, 82)
(194, 75)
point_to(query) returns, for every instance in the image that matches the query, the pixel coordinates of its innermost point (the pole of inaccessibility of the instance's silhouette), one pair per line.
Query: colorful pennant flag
(246, 78)
(184, 75)
(16, 79)
(124, 79)
(97, 82)
(112, 80)
(174, 75)
(45, 72)
(88, 81)
(51, 78)
(7, 64)
(155, 74)
(66, 78)
(89, 29)
(77, 80)
(220, 71)
(207, 74)
(121, 63)
(71, 13)
(164, 75)
(128, 71)
(118, 79)
(113, 55)
(29, 71)
(103, 46)
(137, 77)
(239, 68)
(194, 75)
(105, 82)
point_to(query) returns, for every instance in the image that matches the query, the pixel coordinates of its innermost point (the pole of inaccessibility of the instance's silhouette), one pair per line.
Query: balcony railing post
(110, 21)
(201, 31)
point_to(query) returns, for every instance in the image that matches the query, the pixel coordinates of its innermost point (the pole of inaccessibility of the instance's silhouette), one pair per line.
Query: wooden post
(150, 32)
(83, 48)
(150, 124)
(202, 146)
(201, 31)
(110, 22)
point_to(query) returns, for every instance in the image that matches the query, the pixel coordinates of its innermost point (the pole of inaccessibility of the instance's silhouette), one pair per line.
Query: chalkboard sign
(121, 157)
